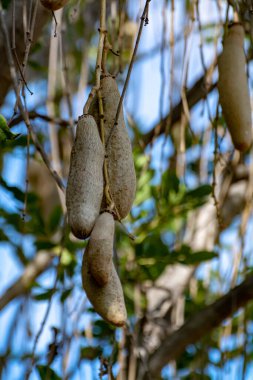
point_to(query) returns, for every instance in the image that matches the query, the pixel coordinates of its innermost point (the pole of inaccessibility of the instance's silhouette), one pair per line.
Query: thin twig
(65, 78)
(26, 179)
(20, 68)
(49, 302)
(215, 161)
(33, 115)
(20, 105)
(102, 34)
(144, 21)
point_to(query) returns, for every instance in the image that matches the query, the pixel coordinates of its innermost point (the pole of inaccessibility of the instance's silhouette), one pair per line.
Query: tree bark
(198, 326)
(166, 297)
(38, 265)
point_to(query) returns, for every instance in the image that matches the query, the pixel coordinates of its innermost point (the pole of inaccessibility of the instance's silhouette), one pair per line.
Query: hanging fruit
(233, 88)
(85, 182)
(100, 248)
(53, 5)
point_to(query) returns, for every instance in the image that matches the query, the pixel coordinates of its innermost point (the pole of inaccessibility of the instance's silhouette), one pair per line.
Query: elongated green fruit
(108, 301)
(122, 178)
(100, 248)
(85, 182)
(233, 88)
(53, 5)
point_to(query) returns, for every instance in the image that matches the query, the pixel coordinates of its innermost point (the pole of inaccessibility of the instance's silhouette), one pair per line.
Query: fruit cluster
(89, 211)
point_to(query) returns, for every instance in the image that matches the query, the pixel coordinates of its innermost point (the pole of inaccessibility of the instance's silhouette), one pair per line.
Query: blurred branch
(34, 115)
(201, 234)
(198, 91)
(199, 325)
(42, 18)
(22, 108)
(39, 264)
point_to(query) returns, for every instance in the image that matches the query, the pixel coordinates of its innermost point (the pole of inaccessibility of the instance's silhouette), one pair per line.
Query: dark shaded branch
(198, 91)
(199, 325)
(34, 115)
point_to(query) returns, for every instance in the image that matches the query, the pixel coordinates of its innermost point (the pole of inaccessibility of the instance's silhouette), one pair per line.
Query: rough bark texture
(198, 326)
(165, 298)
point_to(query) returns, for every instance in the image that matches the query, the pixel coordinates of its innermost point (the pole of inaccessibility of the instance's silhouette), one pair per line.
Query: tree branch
(64, 123)
(198, 91)
(39, 264)
(165, 298)
(42, 18)
(199, 325)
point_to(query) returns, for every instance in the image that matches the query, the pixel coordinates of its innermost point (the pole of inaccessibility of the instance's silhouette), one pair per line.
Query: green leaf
(6, 3)
(152, 246)
(35, 65)
(21, 255)
(41, 244)
(65, 294)
(196, 376)
(16, 192)
(90, 353)
(13, 219)
(170, 183)
(102, 329)
(54, 220)
(201, 256)
(5, 133)
(144, 188)
(3, 236)
(44, 296)
(199, 193)
(67, 257)
(46, 372)
(187, 257)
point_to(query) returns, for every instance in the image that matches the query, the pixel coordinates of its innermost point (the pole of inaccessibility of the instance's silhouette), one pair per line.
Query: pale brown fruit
(122, 178)
(85, 182)
(108, 301)
(233, 88)
(100, 248)
(53, 5)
